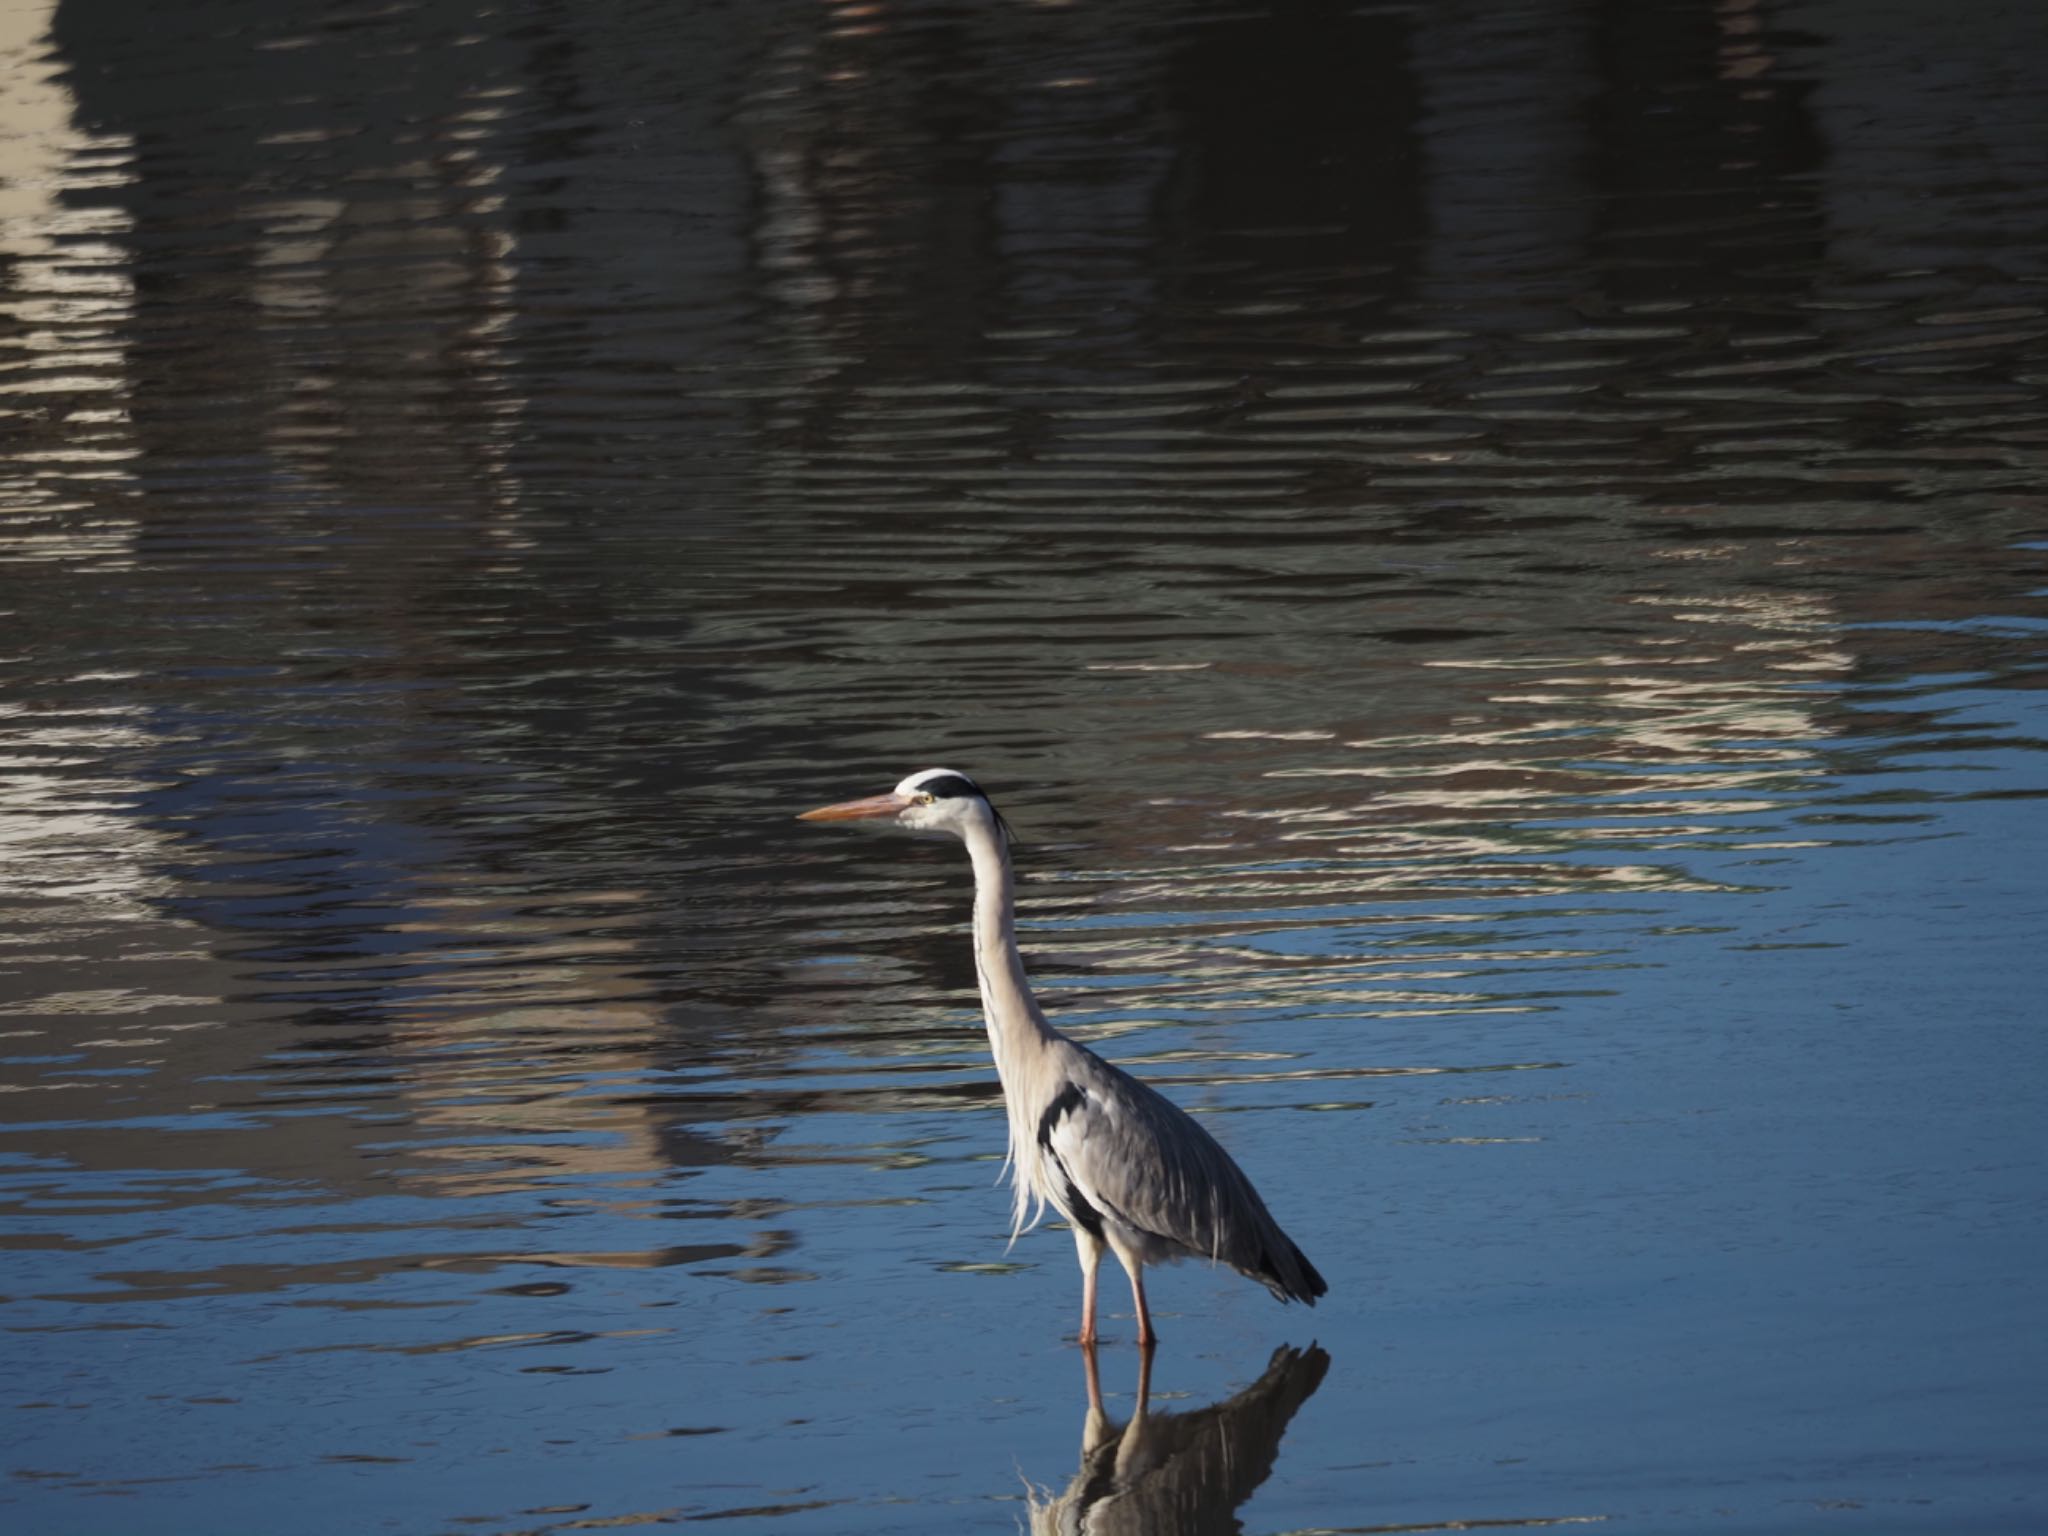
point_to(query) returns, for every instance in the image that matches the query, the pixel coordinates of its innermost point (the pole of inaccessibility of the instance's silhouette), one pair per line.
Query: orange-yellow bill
(857, 810)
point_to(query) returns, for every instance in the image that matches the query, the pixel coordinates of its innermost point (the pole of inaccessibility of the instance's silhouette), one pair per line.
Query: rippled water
(1495, 558)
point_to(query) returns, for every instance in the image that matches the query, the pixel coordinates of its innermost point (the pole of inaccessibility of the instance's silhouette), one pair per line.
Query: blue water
(1495, 563)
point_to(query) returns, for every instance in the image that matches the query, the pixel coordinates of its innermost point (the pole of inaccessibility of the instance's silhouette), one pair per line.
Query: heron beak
(858, 810)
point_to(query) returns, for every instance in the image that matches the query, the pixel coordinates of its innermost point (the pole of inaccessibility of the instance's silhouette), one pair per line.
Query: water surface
(1494, 558)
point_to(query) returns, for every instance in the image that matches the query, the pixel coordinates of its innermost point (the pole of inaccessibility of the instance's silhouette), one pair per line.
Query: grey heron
(1127, 1168)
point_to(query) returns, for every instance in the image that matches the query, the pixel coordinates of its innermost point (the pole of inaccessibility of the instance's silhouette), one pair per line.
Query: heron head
(930, 800)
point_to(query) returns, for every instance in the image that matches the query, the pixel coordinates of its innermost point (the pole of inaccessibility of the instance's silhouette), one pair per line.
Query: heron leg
(1090, 1249)
(1146, 1337)
(1134, 1266)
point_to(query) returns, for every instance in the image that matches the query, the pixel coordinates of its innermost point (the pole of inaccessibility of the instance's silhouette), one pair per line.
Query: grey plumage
(1140, 1161)
(1129, 1170)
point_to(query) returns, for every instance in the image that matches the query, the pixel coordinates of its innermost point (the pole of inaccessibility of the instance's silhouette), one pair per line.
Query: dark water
(1494, 554)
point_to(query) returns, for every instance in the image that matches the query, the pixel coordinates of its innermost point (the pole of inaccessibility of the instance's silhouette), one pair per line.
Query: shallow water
(1495, 560)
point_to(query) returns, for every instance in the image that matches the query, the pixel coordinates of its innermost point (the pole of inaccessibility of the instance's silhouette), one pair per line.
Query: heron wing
(1141, 1161)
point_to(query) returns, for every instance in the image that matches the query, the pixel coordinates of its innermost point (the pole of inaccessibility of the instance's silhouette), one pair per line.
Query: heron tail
(1290, 1276)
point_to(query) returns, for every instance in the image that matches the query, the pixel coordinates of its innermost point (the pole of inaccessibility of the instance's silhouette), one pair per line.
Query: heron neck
(1012, 1013)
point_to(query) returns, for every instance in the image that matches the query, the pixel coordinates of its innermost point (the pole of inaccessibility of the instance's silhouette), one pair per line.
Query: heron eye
(925, 797)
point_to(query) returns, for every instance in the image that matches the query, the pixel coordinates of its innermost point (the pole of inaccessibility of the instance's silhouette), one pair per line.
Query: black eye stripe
(946, 788)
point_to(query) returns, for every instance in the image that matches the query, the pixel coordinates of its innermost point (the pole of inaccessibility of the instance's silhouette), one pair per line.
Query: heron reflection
(1185, 1472)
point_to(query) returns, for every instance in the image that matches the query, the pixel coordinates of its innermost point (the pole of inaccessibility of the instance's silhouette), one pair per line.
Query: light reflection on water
(1494, 560)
